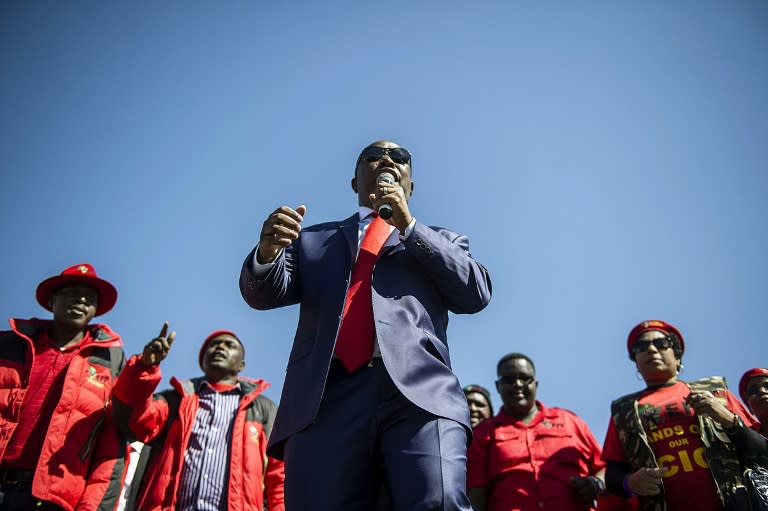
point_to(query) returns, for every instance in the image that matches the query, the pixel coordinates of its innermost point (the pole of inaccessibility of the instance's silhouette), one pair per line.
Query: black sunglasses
(511, 379)
(661, 343)
(755, 389)
(399, 155)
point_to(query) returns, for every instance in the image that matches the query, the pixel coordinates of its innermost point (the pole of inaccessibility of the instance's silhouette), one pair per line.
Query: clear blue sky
(608, 161)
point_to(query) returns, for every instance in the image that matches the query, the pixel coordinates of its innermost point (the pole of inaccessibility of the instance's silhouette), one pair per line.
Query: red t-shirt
(673, 433)
(527, 467)
(46, 381)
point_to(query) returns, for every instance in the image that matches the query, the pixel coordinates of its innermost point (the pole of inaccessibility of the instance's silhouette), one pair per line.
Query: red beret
(653, 324)
(78, 274)
(211, 337)
(744, 382)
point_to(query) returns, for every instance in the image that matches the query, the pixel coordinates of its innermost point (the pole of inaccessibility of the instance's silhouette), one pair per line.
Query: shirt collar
(364, 212)
(46, 340)
(542, 413)
(237, 388)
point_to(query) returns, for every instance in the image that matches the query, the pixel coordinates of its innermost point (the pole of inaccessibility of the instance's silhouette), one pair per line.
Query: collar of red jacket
(502, 418)
(251, 387)
(101, 334)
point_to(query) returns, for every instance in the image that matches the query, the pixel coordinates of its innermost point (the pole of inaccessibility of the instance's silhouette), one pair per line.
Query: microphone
(385, 178)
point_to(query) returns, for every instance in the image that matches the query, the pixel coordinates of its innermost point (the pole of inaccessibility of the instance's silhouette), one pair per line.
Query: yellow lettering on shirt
(671, 469)
(668, 461)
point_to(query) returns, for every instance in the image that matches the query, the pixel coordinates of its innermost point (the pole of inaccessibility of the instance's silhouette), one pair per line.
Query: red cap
(653, 324)
(744, 382)
(78, 274)
(212, 336)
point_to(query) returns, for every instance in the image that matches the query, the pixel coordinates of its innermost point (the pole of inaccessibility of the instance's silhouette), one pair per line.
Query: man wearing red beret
(208, 435)
(59, 448)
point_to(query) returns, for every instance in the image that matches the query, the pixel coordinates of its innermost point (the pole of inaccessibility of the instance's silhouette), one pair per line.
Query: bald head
(377, 157)
(383, 143)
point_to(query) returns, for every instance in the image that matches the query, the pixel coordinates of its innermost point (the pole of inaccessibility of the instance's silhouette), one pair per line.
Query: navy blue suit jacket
(415, 283)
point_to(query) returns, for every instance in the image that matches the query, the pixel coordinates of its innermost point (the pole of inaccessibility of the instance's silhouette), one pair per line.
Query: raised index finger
(164, 330)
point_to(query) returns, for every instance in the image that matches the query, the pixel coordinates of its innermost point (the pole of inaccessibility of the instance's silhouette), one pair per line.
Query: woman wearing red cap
(753, 389)
(678, 446)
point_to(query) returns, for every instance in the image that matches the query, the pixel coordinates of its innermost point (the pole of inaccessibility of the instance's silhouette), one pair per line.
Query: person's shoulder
(443, 230)
(253, 386)
(104, 335)
(449, 234)
(484, 429)
(320, 227)
(331, 224)
(265, 401)
(26, 326)
(565, 414)
(166, 392)
(632, 396)
(13, 346)
(185, 387)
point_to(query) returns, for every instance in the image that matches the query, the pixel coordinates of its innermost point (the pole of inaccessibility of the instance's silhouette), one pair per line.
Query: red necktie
(354, 344)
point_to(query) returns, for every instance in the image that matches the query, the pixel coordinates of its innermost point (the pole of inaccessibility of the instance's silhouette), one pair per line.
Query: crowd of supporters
(82, 427)
(674, 445)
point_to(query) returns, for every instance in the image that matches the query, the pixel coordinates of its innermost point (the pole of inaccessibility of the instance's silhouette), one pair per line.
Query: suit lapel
(392, 243)
(349, 229)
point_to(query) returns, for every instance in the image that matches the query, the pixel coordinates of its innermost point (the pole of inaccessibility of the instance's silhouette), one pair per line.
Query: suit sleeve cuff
(258, 269)
(408, 230)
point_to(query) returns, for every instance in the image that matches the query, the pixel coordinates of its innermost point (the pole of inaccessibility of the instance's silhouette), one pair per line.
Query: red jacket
(81, 463)
(172, 413)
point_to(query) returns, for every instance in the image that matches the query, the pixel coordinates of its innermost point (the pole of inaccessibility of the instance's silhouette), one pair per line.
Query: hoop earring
(680, 368)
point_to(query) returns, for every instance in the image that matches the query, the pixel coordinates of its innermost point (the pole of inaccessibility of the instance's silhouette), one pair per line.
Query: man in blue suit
(399, 417)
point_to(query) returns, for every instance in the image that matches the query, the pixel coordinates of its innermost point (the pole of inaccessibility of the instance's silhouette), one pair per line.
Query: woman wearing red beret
(678, 446)
(753, 388)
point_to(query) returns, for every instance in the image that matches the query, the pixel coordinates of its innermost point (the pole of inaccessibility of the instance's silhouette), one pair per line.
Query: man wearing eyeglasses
(369, 395)
(531, 457)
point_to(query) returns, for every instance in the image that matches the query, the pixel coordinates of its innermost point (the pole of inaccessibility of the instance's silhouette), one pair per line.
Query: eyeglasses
(662, 343)
(511, 379)
(755, 389)
(399, 155)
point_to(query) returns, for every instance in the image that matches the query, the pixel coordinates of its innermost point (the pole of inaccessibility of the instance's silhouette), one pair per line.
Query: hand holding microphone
(389, 201)
(385, 180)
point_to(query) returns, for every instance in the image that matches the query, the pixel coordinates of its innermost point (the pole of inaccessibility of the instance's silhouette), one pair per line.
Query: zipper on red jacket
(85, 451)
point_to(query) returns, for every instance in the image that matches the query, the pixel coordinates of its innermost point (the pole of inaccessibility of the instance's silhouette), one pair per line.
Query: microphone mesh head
(385, 178)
